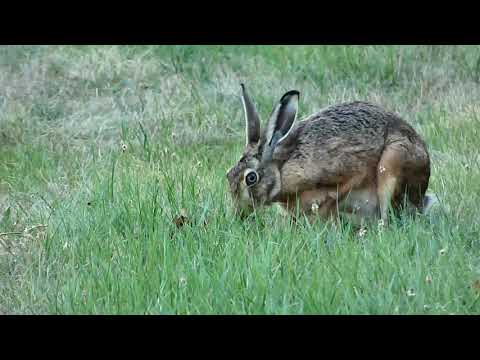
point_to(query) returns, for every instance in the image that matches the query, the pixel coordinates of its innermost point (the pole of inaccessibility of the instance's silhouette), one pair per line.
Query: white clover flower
(362, 232)
(381, 223)
(411, 292)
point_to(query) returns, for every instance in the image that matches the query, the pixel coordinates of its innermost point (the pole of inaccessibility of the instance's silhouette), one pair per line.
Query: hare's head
(255, 180)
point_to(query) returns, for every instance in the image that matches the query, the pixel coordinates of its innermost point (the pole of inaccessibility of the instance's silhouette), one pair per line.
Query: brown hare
(353, 158)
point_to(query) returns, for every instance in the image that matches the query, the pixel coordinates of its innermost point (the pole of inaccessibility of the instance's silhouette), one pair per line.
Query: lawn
(102, 148)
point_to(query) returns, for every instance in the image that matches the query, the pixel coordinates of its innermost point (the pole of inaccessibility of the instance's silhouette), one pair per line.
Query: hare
(354, 158)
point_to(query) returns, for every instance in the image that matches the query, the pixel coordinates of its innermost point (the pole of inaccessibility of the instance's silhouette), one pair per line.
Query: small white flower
(182, 281)
(411, 292)
(362, 232)
(428, 279)
(65, 245)
(382, 169)
(381, 223)
(314, 207)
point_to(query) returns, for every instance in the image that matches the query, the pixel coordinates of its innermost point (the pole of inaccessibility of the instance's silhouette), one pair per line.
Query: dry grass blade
(476, 286)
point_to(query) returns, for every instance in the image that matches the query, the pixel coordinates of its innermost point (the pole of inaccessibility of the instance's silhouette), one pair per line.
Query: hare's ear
(252, 121)
(282, 119)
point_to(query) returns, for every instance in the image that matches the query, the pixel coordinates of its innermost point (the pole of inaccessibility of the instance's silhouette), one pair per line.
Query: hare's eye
(251, 178)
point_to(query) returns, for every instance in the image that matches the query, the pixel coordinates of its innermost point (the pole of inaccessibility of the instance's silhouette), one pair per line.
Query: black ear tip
(289, 94)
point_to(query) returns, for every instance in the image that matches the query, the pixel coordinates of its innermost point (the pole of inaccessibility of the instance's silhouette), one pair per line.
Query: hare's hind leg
(402, 176)
(390, 181)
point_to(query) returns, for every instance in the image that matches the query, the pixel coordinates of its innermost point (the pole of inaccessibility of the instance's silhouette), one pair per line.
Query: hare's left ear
(252, 121)
(282, 119)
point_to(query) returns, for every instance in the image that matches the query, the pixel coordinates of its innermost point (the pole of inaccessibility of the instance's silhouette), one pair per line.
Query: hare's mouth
(243, 215)
(243, 209)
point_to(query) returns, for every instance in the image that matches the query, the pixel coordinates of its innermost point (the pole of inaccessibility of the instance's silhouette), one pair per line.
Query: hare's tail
(428, 202)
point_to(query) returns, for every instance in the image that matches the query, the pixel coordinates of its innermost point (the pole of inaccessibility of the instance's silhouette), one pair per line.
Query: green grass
(86, 226)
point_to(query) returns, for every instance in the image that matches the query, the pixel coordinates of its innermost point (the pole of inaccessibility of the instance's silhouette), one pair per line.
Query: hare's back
(350, 120)
(337, 143)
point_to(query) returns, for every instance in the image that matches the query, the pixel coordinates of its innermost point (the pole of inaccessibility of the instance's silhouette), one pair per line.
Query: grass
(101, 147)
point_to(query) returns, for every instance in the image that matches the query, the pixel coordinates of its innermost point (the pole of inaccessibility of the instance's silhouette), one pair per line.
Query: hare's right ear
(282, 118)
(281, 122)
(252, 120)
